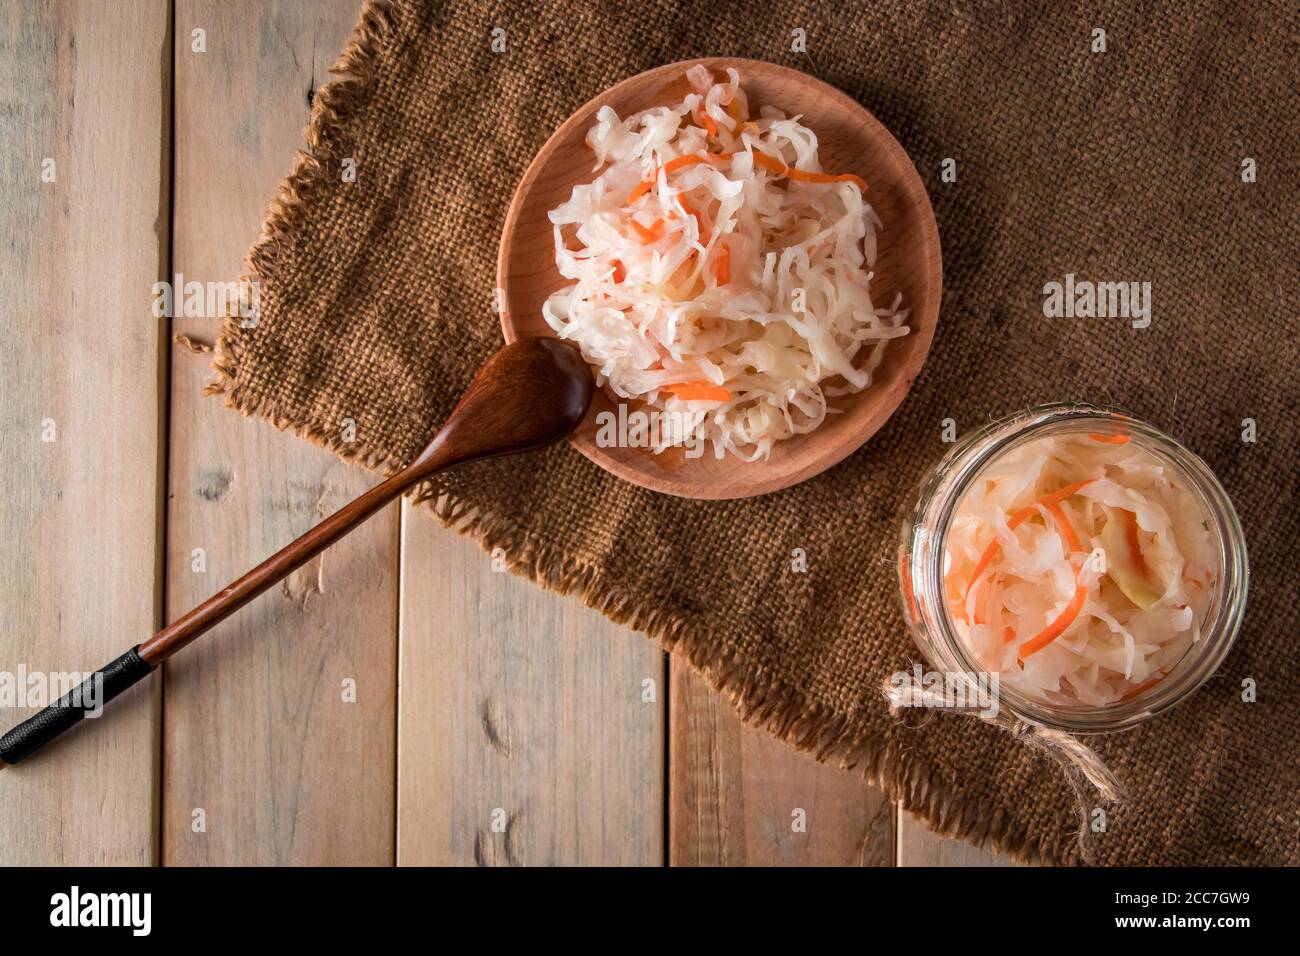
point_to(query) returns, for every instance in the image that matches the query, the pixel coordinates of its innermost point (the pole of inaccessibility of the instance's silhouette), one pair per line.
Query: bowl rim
(889, 401)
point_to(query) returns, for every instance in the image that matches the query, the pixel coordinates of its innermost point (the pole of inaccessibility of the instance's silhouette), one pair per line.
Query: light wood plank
(738, 794)
(257, 732)
(918, 845)
(80, 570)
(523, 709)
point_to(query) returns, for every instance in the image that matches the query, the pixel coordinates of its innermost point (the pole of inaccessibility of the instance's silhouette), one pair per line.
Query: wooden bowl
(908, 261)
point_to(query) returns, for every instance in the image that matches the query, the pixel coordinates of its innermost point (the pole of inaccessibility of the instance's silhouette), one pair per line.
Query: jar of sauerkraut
(1088, 559)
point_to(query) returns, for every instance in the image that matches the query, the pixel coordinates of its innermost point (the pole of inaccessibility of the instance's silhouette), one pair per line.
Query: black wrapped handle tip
(69, 710)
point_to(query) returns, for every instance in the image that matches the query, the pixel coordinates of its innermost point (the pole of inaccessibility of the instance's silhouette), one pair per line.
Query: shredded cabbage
(729, 288)
(1144, 571)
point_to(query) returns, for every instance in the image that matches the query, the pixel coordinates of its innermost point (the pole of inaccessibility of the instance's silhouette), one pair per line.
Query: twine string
(191, 345)
(1084, 771)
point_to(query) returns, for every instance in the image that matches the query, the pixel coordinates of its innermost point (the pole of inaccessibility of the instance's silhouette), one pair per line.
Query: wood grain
(258, 734)
(526, 738)
(530, 394)
(738, 794)
(909, 263)
(512, 699)
(918, 845)
(81, 365)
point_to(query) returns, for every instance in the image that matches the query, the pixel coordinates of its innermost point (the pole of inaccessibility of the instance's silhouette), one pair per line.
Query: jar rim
(973, 454)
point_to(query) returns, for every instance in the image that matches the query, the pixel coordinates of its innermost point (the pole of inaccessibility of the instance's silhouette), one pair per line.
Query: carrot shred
(781, 169)
(1144, 686)
(699, 392)
(1135, 544)
(1058, 626)
(1008, 634)
(1112, 439)
(1018, 518)
(722, 265)
(681, 162)
(699, 219)
(1062, 493)
(649, 233)
(620, 271)
(957, 609)
(807, 177)
(1071, 536)
(980, 600)
(703, 118)
(991, 552)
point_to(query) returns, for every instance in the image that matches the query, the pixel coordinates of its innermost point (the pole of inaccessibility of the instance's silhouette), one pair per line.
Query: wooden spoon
(531, 393)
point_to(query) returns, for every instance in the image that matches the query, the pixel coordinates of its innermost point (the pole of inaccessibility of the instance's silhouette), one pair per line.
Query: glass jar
(923, 545)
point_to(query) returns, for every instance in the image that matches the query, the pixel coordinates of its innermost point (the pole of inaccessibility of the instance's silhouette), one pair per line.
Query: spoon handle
(85, 700)
(528, 395)
(103, 685)
(275, 568)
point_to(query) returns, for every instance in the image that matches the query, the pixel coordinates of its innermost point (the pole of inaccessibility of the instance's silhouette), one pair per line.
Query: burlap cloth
(376, 306)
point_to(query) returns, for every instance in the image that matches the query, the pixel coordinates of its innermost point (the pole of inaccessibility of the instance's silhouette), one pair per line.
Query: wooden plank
(257, 733)
(918, 845)
(528, 735)
(81, 366)
(738, 796)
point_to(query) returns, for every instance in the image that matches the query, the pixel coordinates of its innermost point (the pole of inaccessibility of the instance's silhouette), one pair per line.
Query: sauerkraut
(717, 272)
(1079, 568)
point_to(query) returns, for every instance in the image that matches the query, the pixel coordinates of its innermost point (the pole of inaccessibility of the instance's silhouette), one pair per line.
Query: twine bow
(1078, 762)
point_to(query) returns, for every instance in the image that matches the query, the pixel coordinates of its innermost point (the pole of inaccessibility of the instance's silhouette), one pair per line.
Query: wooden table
(398, 700)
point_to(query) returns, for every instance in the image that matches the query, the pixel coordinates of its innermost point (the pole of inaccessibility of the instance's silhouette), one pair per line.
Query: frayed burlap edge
(764, 703)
